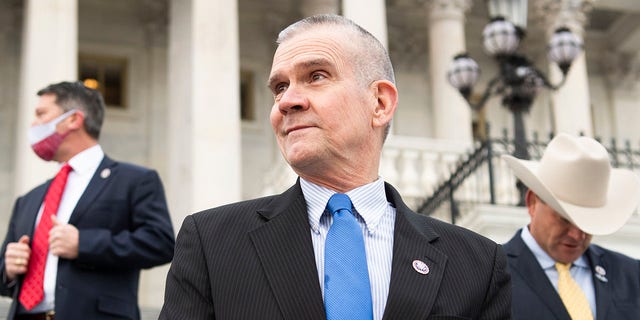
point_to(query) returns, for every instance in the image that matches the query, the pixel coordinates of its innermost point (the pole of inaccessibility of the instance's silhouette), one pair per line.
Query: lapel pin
(105, 173)
(420, 267)
(600, 274)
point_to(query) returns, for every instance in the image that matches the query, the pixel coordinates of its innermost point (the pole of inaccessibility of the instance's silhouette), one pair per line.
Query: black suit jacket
(124, 226)
(534, 297)
(255, 260)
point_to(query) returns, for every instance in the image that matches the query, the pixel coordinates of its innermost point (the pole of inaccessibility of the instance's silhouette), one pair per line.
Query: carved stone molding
(555, 14)
(408, 46)
(448, 9)
(154, 17)
(622, 70)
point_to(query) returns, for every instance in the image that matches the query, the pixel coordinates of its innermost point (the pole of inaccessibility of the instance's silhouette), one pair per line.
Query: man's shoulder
(38, 190)
(125, 171)
(235, 210)
(126, 166)
(448, 230)
(451, 238)
(612, 256)
(229, 222)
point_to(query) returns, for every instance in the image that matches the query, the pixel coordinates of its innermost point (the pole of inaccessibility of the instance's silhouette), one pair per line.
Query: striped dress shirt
(376, 217)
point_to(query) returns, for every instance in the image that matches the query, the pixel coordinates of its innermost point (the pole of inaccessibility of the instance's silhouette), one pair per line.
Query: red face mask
(44, 139)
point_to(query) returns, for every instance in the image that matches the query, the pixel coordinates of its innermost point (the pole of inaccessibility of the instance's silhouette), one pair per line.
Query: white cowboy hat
(575, 178)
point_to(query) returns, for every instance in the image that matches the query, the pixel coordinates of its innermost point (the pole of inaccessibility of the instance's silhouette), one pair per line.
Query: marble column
(571, 103)
(204, 106)
(49, 55)
(447, 39)
(369, 14)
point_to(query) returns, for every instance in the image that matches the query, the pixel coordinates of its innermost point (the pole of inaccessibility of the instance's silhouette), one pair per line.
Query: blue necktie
(347, 293)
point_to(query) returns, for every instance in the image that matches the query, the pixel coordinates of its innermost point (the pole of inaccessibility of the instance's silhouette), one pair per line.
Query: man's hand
(63, 239)
(16, 258)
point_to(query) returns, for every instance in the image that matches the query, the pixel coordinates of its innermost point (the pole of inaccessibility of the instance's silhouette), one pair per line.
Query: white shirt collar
(87, 160)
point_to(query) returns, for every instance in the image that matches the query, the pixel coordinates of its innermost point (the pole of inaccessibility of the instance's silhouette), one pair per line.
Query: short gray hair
(370, 58)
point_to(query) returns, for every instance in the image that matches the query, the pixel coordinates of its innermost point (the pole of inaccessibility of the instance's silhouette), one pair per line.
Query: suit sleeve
(188, 290)
(147, 241)
(497, 303)
(8, 288)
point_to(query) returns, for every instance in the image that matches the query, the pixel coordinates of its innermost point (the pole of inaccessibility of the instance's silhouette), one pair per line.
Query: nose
(292, 99)
(575, 233)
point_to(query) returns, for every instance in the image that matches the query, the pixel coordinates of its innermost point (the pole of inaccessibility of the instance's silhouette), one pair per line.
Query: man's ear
(76, 120)
(386, 95)
(531, 200)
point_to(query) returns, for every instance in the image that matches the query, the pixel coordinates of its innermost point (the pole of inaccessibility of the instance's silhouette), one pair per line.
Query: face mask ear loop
(41, 131)
(63, 116)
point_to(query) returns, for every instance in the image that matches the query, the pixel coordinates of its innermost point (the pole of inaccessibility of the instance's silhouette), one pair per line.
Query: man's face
(322, 115)
(557, 236)
(46, 109)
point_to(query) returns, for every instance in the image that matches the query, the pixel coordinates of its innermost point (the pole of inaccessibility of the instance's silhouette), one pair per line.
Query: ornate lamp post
(518, 80)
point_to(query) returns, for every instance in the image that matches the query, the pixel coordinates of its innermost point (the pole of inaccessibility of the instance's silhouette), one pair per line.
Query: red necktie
(32, 291)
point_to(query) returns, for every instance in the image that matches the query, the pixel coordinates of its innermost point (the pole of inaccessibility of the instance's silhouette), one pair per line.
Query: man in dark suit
(573, 194)
(111, 220)
(272, 258)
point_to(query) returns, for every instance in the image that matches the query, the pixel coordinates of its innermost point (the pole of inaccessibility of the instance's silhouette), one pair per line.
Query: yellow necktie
(572, 296)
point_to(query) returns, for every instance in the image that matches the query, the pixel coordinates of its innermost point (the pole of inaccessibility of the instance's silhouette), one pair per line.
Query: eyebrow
(308, 64)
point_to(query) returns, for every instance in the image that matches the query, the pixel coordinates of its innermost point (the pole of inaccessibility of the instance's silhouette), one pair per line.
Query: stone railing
(413, 165)
(417, 166)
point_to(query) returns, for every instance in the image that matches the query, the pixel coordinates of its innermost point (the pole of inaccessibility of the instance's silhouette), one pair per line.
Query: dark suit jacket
(534, 297)
(255, 260)
(124, 226)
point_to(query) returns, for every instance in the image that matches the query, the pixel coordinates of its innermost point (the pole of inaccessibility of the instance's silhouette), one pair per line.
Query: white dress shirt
(376, 217)
(84, 165)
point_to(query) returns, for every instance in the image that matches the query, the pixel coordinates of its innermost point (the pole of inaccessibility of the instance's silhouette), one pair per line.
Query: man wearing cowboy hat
(573, 194)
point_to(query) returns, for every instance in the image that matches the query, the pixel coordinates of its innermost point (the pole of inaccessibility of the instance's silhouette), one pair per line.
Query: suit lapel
(284, 247)
(602, 288)
(95, 186)
(412, 294)
(523, 262)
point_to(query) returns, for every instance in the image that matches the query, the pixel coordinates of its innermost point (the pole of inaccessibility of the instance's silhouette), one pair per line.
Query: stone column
(571, 103)
(446, 39)
(153, 17)
(204, 106)
(49, 55)
(369, 14)
(622, 81)
(10, 21)
(313, 7)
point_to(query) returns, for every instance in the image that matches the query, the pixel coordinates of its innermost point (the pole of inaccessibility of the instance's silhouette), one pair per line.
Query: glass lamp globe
(500, 37)
(564, 47)
(463, 72)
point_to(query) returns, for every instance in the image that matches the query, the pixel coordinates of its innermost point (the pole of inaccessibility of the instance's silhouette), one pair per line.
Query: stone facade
(186, 59)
